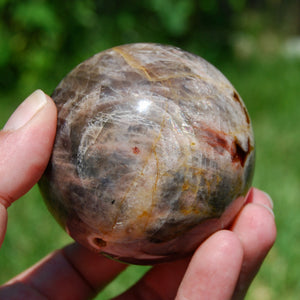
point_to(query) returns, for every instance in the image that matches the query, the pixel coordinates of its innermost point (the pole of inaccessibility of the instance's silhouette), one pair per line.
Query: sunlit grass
(271, 91)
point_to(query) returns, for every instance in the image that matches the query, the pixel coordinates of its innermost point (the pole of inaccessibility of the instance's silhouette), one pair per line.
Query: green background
(256, 44)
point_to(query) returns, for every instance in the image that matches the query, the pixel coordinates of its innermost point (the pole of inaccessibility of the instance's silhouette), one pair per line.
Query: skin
(223, 267)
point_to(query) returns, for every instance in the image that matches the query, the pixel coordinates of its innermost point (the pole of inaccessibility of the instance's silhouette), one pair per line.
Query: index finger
(255, 226)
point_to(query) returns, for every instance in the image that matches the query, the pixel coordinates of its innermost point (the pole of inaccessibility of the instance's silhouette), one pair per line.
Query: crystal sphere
(154, 152)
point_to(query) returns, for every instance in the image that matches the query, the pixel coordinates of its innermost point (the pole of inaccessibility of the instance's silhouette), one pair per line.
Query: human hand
(221, 268)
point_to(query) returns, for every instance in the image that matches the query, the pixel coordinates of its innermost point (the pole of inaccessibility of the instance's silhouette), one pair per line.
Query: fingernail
(269, 198)
(269, 209)
(26, 111)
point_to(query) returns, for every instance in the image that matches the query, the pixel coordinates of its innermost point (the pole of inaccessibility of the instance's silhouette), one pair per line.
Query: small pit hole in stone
(99, 242)
(136, 150)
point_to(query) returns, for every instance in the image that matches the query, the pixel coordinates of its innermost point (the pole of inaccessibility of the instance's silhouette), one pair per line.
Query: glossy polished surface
(154, 152)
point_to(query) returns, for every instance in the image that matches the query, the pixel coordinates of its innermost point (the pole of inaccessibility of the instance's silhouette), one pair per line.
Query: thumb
(25, 146)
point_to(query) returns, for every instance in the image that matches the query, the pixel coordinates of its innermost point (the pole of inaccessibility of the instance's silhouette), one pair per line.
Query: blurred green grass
(270, 88)
(271, 91)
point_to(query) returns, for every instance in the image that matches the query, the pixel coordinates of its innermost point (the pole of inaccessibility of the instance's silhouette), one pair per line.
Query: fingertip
(222, 242)
(255, 226)
(26, 145)
(52, 106)
(26, 111)
(263, 222)
(259, 197)
(217, 262)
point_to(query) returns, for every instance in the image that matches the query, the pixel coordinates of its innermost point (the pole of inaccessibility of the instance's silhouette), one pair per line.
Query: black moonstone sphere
(154, 152)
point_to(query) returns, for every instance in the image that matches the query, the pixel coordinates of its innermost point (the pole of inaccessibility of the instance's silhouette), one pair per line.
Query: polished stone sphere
(154, 152)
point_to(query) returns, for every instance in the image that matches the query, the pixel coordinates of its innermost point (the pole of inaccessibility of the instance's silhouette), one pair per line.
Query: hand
(221, 268)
